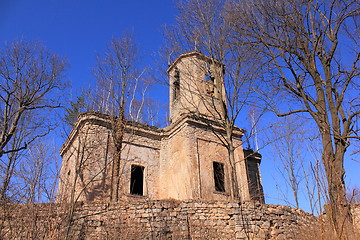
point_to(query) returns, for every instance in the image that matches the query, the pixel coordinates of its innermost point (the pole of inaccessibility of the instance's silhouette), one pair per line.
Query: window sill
(222, 193)
(136, 196)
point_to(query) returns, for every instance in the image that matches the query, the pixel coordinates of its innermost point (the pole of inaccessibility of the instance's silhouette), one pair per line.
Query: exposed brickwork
(142, 219)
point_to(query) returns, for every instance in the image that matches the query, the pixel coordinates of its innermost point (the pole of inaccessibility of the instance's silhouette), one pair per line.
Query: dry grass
(321, 229)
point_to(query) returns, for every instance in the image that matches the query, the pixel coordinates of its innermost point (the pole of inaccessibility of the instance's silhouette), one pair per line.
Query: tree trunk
(118, 135)
(338, 209)
(9, 172)
(235, 185)
(231, 150)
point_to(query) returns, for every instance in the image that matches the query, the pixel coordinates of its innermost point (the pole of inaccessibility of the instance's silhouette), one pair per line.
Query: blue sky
(78, 29)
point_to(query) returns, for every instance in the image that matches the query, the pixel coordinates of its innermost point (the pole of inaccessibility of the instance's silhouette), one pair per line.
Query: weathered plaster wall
(88, 151)
(177, 161)
(194, 95)
(141, 219)
(186, 163)
(207, 148)
(219, 154)
(176, 169)
(87, 161)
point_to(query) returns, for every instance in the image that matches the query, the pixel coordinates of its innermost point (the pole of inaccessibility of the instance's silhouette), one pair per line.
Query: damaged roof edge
(191, 54)
(105, 120)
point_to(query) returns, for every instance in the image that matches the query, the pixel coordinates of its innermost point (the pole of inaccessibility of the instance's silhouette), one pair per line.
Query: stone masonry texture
(149, 219)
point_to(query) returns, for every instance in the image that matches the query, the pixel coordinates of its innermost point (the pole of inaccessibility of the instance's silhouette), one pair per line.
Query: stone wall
(142, 219)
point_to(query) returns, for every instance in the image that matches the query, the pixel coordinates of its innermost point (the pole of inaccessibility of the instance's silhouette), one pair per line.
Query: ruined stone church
(186, 160)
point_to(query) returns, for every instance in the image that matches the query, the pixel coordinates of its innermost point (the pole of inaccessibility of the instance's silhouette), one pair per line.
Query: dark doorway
(137, 180)
(219, 177)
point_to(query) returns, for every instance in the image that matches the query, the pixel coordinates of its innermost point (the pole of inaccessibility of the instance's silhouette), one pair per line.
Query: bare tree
(201, 26)
(9, 192)
(353, 195)
(94, 157)
(313, 64)
(288, 147)
(296, 157)
(30, 80)
(38, 173)
(121, 94)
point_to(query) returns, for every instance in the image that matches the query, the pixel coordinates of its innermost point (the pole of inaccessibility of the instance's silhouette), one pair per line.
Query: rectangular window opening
(219, 176)
(210, 81)
(137, 180)
(209, 78)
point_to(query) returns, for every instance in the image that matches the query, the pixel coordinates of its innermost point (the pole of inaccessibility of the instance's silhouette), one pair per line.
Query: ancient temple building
(185, 160)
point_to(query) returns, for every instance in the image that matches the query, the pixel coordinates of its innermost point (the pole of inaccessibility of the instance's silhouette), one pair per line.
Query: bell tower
(196, 82)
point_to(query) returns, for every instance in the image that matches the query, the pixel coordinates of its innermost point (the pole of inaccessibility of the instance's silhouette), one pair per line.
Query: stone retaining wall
(143, 219)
